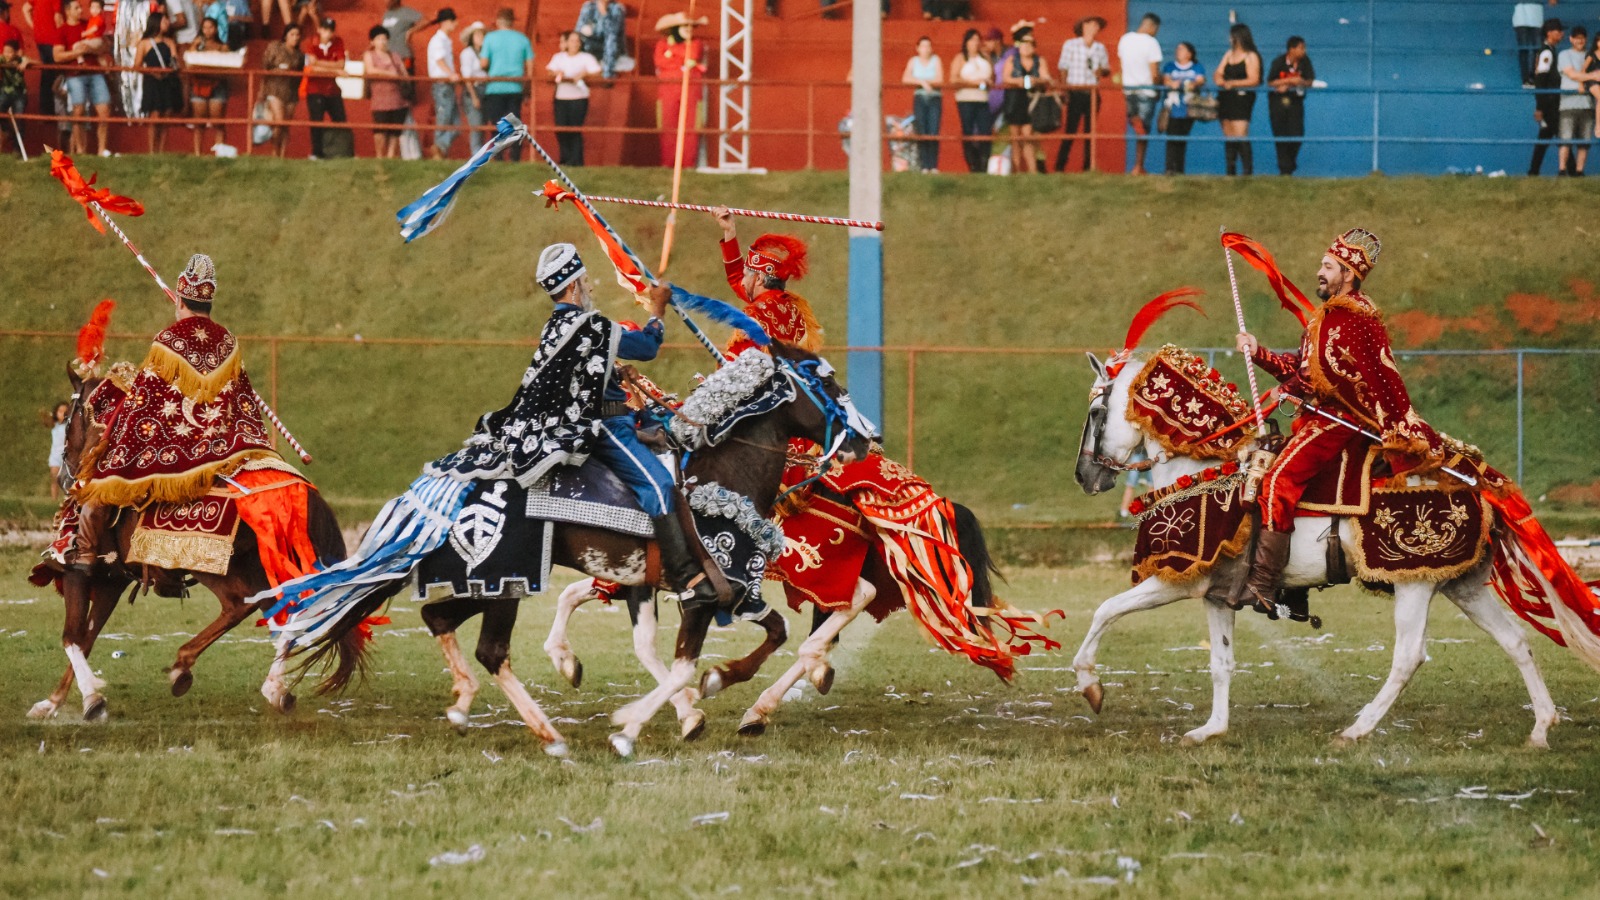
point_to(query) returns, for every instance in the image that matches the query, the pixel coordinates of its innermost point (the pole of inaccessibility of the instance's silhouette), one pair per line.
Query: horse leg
(443, 619)
(1410, 632)
(695, 621)
(494, 652)
(1148, 594)
(1220, 618)
(556, 646)
(276, 686)
(103, 598)
(642, 610)
(741, 670)
(233, 612)
(1484, 609)
(86, 613)
(812, 658)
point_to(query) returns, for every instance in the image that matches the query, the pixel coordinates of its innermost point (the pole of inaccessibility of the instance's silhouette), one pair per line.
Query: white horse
(1109, 440)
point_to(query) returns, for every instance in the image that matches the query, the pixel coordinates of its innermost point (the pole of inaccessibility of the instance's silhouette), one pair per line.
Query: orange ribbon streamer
(1258, 257)
(627, 272)
(84, 191)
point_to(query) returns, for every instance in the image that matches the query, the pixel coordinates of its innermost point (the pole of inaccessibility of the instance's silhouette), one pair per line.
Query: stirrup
(698, 591)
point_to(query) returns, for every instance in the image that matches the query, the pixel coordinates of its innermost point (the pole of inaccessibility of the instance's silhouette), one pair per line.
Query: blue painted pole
(865, 318)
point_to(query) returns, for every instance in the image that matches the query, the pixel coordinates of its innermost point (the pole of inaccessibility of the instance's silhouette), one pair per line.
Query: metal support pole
(865, 320)
(1519, 417)
(911, 409)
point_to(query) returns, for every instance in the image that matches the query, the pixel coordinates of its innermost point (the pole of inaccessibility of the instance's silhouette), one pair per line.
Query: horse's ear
(1095, 364)
(75, 378)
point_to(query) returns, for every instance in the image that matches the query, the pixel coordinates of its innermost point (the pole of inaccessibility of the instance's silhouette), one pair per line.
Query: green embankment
(311, 250)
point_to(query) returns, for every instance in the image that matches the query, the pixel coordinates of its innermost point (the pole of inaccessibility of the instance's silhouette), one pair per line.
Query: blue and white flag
(429, 211)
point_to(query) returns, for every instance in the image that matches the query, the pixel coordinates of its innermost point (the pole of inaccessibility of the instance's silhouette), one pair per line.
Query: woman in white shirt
(568, 69)
(971, 74)
(472, 73)
(58, 448)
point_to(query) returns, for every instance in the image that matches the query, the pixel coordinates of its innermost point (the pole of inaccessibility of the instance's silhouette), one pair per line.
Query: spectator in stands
(281, 91)
(442, 69)
(1026, 77)
(208, 94)
(58, 446)
(1577, 116)
(233, 21)
(569, 69)
(1237, 77)
(472, 75)
(1289, 76)
(946, 10)
(185, 21)
(600, 25)
(86, 87)
(8, 31)
(45, 18)
(971, 72)
(1547, 103)
(1083, 63)
(266, 14)
(994, 47)
(398, 20)
(161, 94)
(508, 56)
(678, 52)
(925, 70)
(385, 74)
(13, 84)
(1183, 77)
(325, 58)
(1140, 55)
(1526, 20)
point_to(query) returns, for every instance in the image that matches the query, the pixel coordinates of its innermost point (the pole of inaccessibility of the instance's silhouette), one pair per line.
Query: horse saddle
(590, 494)
(1344, 488)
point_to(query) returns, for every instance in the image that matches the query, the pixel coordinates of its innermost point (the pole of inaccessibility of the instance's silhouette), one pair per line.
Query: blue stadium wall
(1461, 56)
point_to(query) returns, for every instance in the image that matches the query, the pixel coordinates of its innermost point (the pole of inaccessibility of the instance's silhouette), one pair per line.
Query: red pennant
(627, 272)
(62, 170)
(1258, 257)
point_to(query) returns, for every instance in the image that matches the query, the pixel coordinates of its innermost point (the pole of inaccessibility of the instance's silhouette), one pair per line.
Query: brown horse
(748, 460)
(90, 598)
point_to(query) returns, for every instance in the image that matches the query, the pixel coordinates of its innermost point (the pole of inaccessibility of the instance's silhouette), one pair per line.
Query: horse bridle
(1098, 411)
(807, 376)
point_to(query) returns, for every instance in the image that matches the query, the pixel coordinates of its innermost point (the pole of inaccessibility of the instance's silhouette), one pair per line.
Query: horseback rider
(1345, 365)
(761, 279)
(188, 418)
(571, 404)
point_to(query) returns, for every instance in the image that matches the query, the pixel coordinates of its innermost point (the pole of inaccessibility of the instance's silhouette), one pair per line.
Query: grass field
(919, 776)
(1046, 264)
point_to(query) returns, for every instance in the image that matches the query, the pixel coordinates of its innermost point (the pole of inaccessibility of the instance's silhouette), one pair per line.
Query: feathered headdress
(1147, 316)
(723, 313)
(92, 338)
(782, 256)
(1258, 257)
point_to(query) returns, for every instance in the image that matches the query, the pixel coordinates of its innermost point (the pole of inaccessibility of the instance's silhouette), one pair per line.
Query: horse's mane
(724, 391)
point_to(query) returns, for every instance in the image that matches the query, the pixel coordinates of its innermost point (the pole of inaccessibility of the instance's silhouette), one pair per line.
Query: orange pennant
(63, 170)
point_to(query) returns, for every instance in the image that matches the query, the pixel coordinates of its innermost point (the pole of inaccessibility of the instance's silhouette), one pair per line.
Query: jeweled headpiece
(198, 283)
(1358, 250)
(780, 256)
(559, 266)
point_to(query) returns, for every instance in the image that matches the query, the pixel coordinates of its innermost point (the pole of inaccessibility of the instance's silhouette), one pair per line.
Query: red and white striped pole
(747, 213)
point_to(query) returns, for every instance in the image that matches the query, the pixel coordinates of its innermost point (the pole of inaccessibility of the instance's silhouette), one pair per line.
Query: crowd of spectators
(1567, 105)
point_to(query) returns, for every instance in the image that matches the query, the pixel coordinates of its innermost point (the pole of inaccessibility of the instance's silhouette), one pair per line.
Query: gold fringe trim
(181, 488)
(1229, 548)
(813, 341)
(176, 371)
(208, 553)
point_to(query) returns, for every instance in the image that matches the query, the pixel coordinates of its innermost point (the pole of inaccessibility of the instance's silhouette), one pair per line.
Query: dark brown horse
(748, 461)
(91, 598)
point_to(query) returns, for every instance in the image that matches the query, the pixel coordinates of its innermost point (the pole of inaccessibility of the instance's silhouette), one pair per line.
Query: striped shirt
(1080, 62)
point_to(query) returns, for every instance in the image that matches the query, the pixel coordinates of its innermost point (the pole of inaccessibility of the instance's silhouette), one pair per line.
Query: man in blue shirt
(507, 55)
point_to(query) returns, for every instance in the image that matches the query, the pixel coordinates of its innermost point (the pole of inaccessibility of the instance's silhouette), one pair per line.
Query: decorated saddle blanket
(826, 543)
(590, 494)
(267, 495)
(495, 548)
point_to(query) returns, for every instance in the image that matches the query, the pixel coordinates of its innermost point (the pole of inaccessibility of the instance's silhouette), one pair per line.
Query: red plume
(786, 250)
(92, 336)
(1257, 256)
(1155, 309)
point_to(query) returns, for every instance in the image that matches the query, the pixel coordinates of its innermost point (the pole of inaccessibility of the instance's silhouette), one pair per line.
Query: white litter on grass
(26, 602)
(594, 827)
(1236, 819)
(100, 873)
(918, 797)
(491, 756)
(968, 863)
(1011, 800)
(233, 832)
(325, 823)
(451, 858)
(715, 818)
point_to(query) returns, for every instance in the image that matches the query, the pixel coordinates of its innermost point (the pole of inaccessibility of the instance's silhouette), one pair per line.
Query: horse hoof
(1096, 695)
(1538, 743)
(1344, 742)
(458, 720)
(44, 709)
(754, 725)
(557, 749)
(94, 708)
(182, 680)
(1195, 738)
(623, 745)
(287, 704)
(711, 683)
(822, 678)
(694, 726)
(572, 671)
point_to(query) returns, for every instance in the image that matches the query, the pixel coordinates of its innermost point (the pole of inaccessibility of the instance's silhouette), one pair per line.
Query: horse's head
(81, 430)
(823, 412)
(1109, 439)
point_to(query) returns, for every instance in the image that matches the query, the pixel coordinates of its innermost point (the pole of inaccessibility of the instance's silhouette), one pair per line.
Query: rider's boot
(1266, 570)
(86, 543)
(682, 570)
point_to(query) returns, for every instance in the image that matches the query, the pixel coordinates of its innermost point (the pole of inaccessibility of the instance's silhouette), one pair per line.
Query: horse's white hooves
(1195, 738)
(822, 678)
(623, 745)
(94, 708)
(694, 725)
(1538, 743)
(1345, 741)
(44, 709)
(572, 671)
(558, 749)
(285, 703)
(754, 725)
(710, 684)
(458, 720)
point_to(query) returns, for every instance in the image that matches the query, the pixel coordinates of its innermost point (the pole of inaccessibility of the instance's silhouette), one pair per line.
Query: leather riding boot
(86, 543)
(1266, 570)
(683, 571)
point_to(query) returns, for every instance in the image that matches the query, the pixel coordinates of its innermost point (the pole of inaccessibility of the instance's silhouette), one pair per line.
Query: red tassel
(1155, 309)
(92, 336)
(1258, 257)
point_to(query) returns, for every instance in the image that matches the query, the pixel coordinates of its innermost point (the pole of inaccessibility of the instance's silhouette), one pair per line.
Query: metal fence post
(1519, 416)
(911, 410)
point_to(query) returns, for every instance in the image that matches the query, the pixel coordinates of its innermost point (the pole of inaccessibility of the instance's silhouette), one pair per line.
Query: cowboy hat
(677, 19)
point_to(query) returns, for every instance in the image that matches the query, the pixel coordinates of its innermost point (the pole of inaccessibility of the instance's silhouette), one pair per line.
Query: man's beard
(1323, 292)
(583, 298)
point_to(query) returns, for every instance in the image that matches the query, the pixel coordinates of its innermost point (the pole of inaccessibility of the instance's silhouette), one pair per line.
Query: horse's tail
(1538, 585)
(349, 641)
(350, 644)
(975, 550)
